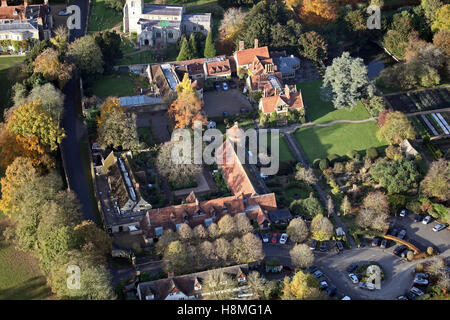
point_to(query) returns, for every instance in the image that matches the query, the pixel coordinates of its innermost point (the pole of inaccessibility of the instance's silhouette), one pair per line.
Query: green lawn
(117, 85)
(319, 111)
(138, 58)
(320, 142)
(284, 151)
(20, 277)
(101, 17)
(126, 46)
(6, 63)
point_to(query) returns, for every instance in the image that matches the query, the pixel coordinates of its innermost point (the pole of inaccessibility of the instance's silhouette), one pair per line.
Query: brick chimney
(287, 91)
(4, 3)
(241, 43)
(256, 43)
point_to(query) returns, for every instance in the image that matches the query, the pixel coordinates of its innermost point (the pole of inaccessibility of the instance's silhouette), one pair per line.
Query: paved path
(301, 157)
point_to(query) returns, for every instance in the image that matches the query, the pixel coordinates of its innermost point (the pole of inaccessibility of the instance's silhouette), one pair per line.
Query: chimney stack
(287, 91)
(256, 43)
(4, 3)
(241, 43)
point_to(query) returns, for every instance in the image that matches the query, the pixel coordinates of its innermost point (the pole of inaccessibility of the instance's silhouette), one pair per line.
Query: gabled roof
(245, 57)
(293, 101)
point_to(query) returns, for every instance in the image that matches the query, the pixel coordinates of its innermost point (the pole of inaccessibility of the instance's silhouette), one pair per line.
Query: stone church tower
(132, 11)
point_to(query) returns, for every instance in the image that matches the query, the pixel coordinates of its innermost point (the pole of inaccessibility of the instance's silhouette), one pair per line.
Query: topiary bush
(324, 164)
(372, 153)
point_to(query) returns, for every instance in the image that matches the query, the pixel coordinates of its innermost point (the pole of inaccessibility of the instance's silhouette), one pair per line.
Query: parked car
(346, 298)
(352, 267)
(367, 285)
(411, 295)
(313, 245)
(323, 285)
(311, 269)
(318, 273)
(323, 246)
(417, 218)
(397, 251)
(439, 227)
(418, 279)
(225, 86)
(283, 238)
(383, 244)
(417, 291)
(422, 275)
(274, 238)
(265, 238)
(218, 87)
(403, 213)
(402, 298)
(331, 291)
(340, 246)
(402, 234)
(404, 253)
(394, 232)
(375, 242)
(233, 85)
(353, 277)
(426, 220)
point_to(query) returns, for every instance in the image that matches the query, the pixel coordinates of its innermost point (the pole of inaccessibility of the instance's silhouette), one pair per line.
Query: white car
(265, 238)
(420, 280)
(283, 238)
(346, 298)
(403, 213)
(439, 227)
(353, 277)
(417, 291)
(426, 220)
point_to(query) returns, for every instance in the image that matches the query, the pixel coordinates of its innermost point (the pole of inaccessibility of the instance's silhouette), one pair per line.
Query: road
(75, 130)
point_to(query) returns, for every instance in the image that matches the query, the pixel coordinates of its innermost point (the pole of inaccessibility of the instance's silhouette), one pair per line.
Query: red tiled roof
(218, 68)
(295, 101)
(245, 57)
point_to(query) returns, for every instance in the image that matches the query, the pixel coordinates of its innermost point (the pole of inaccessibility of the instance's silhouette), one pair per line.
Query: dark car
(311, 269)
(352, 267)
(411, 295)
(323, 246)
(375, 242)
(218, 86)
(331, 291)
(417, 218)
(397, 251)
(313, 245)
(402, 234)
(384, 243)
(339, 246)
(394, 232)
(233, 85)
(225, 114)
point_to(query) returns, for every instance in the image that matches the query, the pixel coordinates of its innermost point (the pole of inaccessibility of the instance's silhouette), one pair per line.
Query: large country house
(159, 25)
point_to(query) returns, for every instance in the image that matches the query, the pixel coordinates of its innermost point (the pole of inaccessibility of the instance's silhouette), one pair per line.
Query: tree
(397, 37)
(356, 22)
(231, 27)
(302, 287)
(375, 105)
(48, 64)
(308, 207)
(396, 176)
(51, 98)
(297, 230)
(200, 233)
(437, 181)
(208, 256)
(173, 169)
(256, 285)
(175, 256)
(91, 236)
(87, 55)
(115, 127)
(193, 46)
(185, 50)
(441, 40)
(317, 13)
(223, 250)
(185, 232)
(306, 175)
(396, 128)
(377, 201)
(109, 44)
(252, 247)
(210, 48)
(430, 8)
(227, 226)
(31, 119)
(321, 228)
(60, 38)
(242, 223)
(218, 286)
(369, 218)
(313, 46)
(164, 240)
(213, 231)
(442, 19)
(348, 79)
(346, 205)
(301, 256)
(187, 108)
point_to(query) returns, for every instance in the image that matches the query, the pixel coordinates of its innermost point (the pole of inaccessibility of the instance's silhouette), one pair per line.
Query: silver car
(426, 220)
(439, 227)
(417, 291)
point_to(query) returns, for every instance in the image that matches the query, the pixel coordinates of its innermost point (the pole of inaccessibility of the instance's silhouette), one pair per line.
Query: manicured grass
(298, 192)
(101, 17)
(126, 46)
(117, 85)
(20, 277)
(284, 151)
(6, 63)
(320, 142)
(320, 111)
(142, 57)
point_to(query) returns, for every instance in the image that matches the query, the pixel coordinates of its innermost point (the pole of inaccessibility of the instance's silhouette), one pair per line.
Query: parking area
(218, 102)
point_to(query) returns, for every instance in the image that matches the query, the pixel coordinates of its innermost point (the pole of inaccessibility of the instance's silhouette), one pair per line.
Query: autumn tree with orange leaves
(49, 64)
(317, 12)
(187, 108)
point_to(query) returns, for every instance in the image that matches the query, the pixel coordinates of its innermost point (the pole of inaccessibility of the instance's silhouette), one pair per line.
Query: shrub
(372, 153)
(354, 155)
(324, 164)
(333, 158)
(430, 251)
(419, 268)
(410, 256)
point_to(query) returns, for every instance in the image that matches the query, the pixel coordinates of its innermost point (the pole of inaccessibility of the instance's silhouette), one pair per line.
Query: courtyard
(231, 101)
